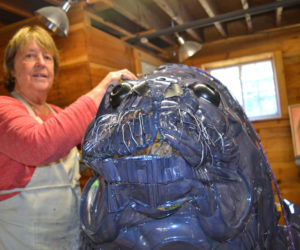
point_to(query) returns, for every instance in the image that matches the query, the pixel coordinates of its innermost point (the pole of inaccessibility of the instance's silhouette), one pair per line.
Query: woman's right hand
(98, 92)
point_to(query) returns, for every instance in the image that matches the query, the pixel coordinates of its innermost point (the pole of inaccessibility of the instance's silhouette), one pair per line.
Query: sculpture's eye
(206, 92)
(118, 93)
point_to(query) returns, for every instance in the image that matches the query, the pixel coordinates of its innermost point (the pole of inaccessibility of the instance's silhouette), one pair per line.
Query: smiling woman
(39, 184)
(18, 45)
(34, 74)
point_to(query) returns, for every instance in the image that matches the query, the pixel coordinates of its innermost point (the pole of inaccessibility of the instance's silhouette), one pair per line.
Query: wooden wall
(275, 134)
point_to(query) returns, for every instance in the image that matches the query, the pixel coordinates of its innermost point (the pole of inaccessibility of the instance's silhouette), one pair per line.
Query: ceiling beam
(211, 11)
(108, 24)
(177, 17)
(245, 6)
(279, 16)
(92, 1)
(55, 2)
(139, 14)
(98, 5)
(10, 7)
(139, 34)
(230, 16)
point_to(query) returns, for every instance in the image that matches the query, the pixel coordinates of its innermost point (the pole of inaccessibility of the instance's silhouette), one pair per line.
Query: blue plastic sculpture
(177, 165)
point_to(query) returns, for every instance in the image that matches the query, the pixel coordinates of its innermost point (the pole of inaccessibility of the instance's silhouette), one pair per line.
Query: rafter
(177, 17)
(139, 34)
(99, 5)
(245, 6)
(226, 17)
(108, 24)
(92, 1)
(212, 12)
(279, 16)
(154, 47)
(55, 2)
(139, 14)
(9, 7)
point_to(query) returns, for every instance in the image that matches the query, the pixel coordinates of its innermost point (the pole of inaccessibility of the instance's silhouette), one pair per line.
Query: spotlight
(55, 18)
(187, 48)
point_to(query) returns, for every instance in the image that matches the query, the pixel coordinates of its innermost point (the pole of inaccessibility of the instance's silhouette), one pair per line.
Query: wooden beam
(154, 47)
(98, 5)
(279, 11)
(212, 12)
(10, 7)
(279, 16)
(17, 25)
(122, 31)
(138, 13)
(247, 16)
(55, 2)
(177, 17)
(225, 17)
(108, 24)
(139, 34)
(92, 1)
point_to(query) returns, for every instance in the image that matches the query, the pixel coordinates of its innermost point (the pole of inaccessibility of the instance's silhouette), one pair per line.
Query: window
(253, 82)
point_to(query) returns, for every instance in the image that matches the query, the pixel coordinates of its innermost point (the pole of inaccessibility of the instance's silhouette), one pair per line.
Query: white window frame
(279, 78)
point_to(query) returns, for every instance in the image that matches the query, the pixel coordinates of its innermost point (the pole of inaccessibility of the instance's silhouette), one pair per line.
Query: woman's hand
(98, 92)
(116, 76)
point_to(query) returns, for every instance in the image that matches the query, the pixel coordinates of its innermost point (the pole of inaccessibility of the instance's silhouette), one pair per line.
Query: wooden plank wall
(275, 134)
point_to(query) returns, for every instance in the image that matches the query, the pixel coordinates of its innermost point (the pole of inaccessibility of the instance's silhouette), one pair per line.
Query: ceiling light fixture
(55, 18)
(187, 48)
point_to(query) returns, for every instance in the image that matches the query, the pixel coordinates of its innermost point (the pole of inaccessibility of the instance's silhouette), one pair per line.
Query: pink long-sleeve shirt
(26, 143)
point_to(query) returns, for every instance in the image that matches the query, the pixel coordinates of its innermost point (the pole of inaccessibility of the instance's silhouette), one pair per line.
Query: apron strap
(21, 99)
(33, 188)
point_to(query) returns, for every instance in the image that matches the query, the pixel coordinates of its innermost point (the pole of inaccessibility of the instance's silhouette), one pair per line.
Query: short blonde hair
(19, 41)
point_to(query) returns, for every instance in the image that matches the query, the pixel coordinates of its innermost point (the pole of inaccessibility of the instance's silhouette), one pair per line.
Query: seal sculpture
(177, 165)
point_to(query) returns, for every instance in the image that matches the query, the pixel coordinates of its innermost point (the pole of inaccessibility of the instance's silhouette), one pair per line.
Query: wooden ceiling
(152, 24)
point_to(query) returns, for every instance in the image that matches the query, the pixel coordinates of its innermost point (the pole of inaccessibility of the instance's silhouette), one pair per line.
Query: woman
(39, 188)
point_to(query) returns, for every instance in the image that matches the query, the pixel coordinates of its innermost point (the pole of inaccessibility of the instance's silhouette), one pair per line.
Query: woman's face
(33, 70)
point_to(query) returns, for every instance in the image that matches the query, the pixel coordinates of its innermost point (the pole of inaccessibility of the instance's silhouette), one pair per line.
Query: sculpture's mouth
(159, 148)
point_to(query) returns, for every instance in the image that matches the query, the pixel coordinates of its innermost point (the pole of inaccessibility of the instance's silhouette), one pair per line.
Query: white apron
(45, 214)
